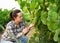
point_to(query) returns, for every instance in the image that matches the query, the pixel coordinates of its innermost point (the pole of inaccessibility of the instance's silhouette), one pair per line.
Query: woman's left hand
(31, 25)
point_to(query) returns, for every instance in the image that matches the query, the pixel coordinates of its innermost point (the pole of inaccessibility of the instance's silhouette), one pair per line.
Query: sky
(9, 4)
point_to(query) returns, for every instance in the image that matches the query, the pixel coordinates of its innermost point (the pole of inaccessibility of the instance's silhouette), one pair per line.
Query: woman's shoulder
(22, 23)
(11, 23)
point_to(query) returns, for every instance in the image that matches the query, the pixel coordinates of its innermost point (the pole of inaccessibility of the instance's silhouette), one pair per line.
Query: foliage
(46, 15)
(4, 18)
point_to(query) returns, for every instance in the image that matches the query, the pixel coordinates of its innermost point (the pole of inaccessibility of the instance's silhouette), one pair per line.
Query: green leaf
(53, 7)
(33, 5)
(52, 21)
(44, 17)
(41, 1)
(56, 36)
(22, 3)
(2, 28)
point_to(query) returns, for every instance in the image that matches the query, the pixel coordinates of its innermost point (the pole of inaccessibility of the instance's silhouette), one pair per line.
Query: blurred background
(44, 13)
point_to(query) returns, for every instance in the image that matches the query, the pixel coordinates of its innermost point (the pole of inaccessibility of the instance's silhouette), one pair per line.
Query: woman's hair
(14, 14)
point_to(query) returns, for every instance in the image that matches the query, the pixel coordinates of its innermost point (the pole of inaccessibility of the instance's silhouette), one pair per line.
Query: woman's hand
(31, 25)
(19, 34)
(25, 30)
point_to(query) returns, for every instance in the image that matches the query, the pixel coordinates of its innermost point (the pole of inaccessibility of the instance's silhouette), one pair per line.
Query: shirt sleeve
(22, 26)
(10, 32)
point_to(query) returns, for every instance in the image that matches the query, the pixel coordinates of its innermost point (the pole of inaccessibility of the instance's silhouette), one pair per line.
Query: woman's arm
(10, 32)
(27, 28)
(24, 31)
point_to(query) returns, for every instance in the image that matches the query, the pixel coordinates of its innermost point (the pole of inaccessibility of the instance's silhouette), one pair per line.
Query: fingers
(31, 25)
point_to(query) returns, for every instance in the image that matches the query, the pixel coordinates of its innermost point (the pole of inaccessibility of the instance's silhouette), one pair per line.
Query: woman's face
(19, 17)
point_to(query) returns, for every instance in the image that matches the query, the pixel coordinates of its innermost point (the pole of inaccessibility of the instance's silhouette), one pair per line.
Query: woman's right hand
(31, 25)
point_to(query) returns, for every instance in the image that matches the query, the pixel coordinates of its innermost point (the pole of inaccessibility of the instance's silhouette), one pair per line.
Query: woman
(16, 29)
